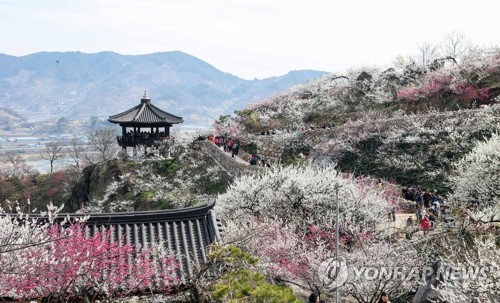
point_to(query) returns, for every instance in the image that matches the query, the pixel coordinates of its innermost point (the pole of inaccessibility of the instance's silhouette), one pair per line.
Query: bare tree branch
(52, 152)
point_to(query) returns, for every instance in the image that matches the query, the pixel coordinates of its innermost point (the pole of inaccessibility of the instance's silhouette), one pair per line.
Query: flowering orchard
(46, 260)
(286, 217)
(410, 147)
(307, 196)
(408, 87)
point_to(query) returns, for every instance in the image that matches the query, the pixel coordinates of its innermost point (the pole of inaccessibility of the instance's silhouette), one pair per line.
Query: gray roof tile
(185, 232)
(145, 113)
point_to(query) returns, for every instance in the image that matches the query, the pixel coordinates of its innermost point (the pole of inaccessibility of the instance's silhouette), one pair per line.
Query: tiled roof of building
(186, 232)
(145, 113)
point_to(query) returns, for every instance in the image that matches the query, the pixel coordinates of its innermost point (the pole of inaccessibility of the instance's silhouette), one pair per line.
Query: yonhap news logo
(334, 273)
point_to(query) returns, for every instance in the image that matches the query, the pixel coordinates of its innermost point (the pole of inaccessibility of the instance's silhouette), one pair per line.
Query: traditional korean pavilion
(144, 124)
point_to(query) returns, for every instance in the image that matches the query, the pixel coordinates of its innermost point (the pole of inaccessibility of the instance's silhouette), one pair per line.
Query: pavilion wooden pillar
(124, 139)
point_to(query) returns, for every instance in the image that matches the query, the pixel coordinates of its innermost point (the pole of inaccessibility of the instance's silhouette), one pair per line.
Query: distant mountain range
(80, 85)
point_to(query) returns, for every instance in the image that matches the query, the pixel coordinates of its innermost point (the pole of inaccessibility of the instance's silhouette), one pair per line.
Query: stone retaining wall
(228, 164)
(272, 147)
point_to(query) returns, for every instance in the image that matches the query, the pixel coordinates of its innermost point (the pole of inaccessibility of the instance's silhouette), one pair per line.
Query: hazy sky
(248, 38)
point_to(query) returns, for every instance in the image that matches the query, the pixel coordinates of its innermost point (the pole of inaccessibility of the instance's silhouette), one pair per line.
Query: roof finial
(146, 98)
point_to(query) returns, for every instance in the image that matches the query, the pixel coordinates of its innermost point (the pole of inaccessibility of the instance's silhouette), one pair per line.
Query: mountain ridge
(76, 85)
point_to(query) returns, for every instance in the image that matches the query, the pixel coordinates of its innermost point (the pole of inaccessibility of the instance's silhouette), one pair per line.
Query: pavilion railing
(146, 140)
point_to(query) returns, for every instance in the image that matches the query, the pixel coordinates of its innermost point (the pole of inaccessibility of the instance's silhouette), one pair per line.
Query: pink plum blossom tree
(42, 260)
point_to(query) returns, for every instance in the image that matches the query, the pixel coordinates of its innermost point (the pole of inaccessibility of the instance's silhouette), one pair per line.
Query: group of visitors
(429, 205)
(296, 128)
(232, 145)
(431, 208)
(228, 144)
(145, 135)
(426, 201)
(256, 160)
(132, 137)
(320, 126)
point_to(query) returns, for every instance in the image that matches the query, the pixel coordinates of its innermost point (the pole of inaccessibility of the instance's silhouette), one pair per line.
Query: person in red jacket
(425, 224)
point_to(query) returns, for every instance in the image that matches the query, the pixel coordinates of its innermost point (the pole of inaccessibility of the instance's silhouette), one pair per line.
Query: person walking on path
(425, 224)
(236, 148)
(409, 228)
(254, 159)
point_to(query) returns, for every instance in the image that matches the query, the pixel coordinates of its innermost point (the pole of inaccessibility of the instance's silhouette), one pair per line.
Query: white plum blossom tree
(329, 99)
(378, 266)
(307, 195)
(477, 174)
(477, 275)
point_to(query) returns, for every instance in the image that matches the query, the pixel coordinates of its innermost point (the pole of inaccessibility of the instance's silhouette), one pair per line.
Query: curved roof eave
(145, 113)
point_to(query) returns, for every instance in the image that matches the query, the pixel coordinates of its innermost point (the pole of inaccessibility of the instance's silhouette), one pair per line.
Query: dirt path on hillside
(237, 158)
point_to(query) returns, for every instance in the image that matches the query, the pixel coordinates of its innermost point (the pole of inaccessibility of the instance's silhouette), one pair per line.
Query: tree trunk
(85, 297)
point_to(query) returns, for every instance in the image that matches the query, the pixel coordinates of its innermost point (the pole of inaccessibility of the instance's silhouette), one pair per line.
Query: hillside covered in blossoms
(408, 123)
(374, 183)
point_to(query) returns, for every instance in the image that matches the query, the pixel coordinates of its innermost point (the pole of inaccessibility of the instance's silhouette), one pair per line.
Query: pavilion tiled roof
(186, 232)
(145, 113)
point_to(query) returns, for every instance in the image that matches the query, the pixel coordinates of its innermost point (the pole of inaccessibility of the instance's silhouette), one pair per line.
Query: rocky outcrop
(94, 181)
(426, 292)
